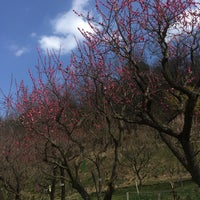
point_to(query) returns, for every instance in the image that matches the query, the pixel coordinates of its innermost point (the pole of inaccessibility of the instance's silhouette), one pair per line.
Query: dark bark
(17, 197)
(18, 188)
(53, 185)
(186, 155)
(1, 195)
(111, 185)
(62, 184)
(192, 164)
(75, 182)
(80, 189)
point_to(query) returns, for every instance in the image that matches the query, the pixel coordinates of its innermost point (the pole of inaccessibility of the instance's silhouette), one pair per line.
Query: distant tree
(17, 159)
(139, 152)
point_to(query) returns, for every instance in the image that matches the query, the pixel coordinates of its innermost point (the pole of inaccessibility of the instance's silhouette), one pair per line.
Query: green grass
(184, 191)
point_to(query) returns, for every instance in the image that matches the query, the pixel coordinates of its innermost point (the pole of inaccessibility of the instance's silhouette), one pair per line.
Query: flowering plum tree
(139, 65)
(50, 112)
(164, 92)
(68, 115)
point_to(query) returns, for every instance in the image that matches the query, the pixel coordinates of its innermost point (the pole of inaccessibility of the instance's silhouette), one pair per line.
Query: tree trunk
(186, 158)
(62, 184)
(111, 188)
(52, 191)
(17, 197)
(81, 190)
(53, 185)
(109, 192)
(17, 194)
(195, 173)
(192, 164)
(1, 195)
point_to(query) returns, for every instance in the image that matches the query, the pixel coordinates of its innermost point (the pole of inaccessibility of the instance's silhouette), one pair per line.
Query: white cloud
(57, 43)
(18, 51)
(78, 5)
(187, 22)
(65, 29)
(69, 23)
(50, 42)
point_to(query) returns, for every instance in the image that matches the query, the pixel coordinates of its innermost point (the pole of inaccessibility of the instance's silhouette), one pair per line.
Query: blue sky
(28, 24)
(46, 24)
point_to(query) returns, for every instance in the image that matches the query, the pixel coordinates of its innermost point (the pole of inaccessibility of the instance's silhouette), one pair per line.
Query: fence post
(159, 196)
(127, 195)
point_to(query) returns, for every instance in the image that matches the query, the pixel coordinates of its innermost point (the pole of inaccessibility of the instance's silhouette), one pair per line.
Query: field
(185, 190)
(161, 191)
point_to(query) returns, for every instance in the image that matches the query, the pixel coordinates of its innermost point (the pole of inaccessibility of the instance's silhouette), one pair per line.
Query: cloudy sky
(30, 24)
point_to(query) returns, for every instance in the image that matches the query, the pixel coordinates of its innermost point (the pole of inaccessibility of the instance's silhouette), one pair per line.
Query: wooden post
(159, 196)
(127, 196)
